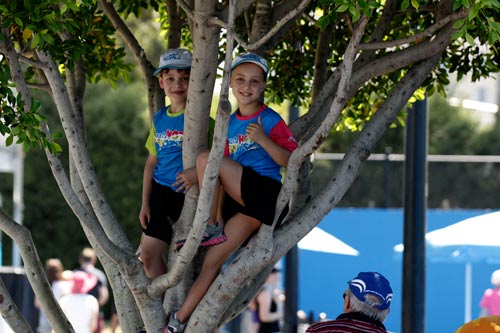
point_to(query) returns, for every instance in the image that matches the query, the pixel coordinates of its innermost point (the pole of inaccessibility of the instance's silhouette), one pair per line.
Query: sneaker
(213, 235)
(174, 326)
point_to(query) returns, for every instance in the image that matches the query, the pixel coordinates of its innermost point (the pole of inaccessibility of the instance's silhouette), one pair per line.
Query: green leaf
(18, 21)
(342, 8)
(469, 39)
(405, 4)
(35, 41)
(63, 8)
(9, 140)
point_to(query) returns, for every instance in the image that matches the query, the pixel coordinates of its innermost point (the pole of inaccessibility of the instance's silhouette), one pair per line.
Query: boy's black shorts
(259, 193)
(164, 203)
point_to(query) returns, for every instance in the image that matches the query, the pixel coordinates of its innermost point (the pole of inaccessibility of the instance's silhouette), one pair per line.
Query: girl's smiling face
(247, 83)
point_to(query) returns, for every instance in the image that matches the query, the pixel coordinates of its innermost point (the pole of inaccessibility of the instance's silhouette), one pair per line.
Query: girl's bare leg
(237, 230)
(216, 207)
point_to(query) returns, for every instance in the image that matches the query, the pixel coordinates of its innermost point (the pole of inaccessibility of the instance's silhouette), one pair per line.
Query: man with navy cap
(367, 302)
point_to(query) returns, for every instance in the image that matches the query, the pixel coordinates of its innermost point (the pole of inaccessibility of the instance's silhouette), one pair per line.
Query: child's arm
(279, 154)
(264, 299)
(147, 178)
(186, 179)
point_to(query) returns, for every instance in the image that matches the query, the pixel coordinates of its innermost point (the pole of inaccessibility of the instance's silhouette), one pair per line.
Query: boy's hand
(144, 217)
(256, 132)
(186, 179)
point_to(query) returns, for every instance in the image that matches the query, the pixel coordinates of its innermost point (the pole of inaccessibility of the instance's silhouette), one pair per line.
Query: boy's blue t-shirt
(165, 142)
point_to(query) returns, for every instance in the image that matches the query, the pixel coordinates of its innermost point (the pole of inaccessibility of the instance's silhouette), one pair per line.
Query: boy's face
(175, 83)
(247, 83)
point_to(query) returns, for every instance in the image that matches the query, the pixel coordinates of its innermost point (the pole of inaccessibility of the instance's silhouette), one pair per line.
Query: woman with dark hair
(60, 287)
(269, 304)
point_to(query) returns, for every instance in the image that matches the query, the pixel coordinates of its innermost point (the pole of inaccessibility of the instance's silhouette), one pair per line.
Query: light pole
(12, 161)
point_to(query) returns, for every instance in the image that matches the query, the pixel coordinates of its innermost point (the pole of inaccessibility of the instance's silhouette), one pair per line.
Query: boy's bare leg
(152, 256)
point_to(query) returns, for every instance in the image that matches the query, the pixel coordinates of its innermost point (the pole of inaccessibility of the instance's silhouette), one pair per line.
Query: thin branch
(155, 98)
(264, 39)
(80, 210)
(429, 32)
(29, 61)
(217, 21)
(15, 68)
(43, 87)
(309, 18)
(185, 7)
(342, 95)
(11, 313)
(279, 24)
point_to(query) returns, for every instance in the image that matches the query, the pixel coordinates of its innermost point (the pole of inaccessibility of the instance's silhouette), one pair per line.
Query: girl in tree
(258, 147)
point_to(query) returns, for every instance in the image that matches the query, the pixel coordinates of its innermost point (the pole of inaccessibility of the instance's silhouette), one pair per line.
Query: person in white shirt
(81, 309)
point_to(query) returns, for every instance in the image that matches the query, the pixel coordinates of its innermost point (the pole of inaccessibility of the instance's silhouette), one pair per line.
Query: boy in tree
(164, 180)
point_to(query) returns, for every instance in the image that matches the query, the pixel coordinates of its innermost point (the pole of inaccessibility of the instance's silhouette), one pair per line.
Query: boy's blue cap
(251, 58)
(174, 58)
(372, 283)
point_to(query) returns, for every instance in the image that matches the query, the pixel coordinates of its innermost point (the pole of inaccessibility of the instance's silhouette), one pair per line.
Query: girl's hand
(185, 180)
(255, 131)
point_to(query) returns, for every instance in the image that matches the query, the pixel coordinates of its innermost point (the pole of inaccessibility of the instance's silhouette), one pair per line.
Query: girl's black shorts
(259, 193)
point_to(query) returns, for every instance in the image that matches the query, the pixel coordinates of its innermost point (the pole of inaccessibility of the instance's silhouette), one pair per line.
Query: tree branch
(388, 63)
(175, 24)
(37, 278)
(277, 27)
(10, 312)
(15, 68)
(429, 32)
(156, 98)
(327, 198)
(342, 96)
(185, 7)
(80, 154)
(383, 27)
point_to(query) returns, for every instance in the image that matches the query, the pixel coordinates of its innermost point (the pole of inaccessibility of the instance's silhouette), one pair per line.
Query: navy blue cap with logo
(372, 283)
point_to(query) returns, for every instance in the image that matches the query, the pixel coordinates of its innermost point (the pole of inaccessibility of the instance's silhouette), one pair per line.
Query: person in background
(367, 302)
(60, 287)
(113, 320)
(249, 318)
(87, 260)
(269, 303)
(81, 308)
(490, 302)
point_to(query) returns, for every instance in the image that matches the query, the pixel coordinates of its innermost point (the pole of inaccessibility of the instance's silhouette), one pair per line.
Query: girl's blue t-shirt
(249, 153)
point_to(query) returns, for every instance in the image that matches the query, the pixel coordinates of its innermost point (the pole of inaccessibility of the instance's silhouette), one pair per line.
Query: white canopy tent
(471, 240)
